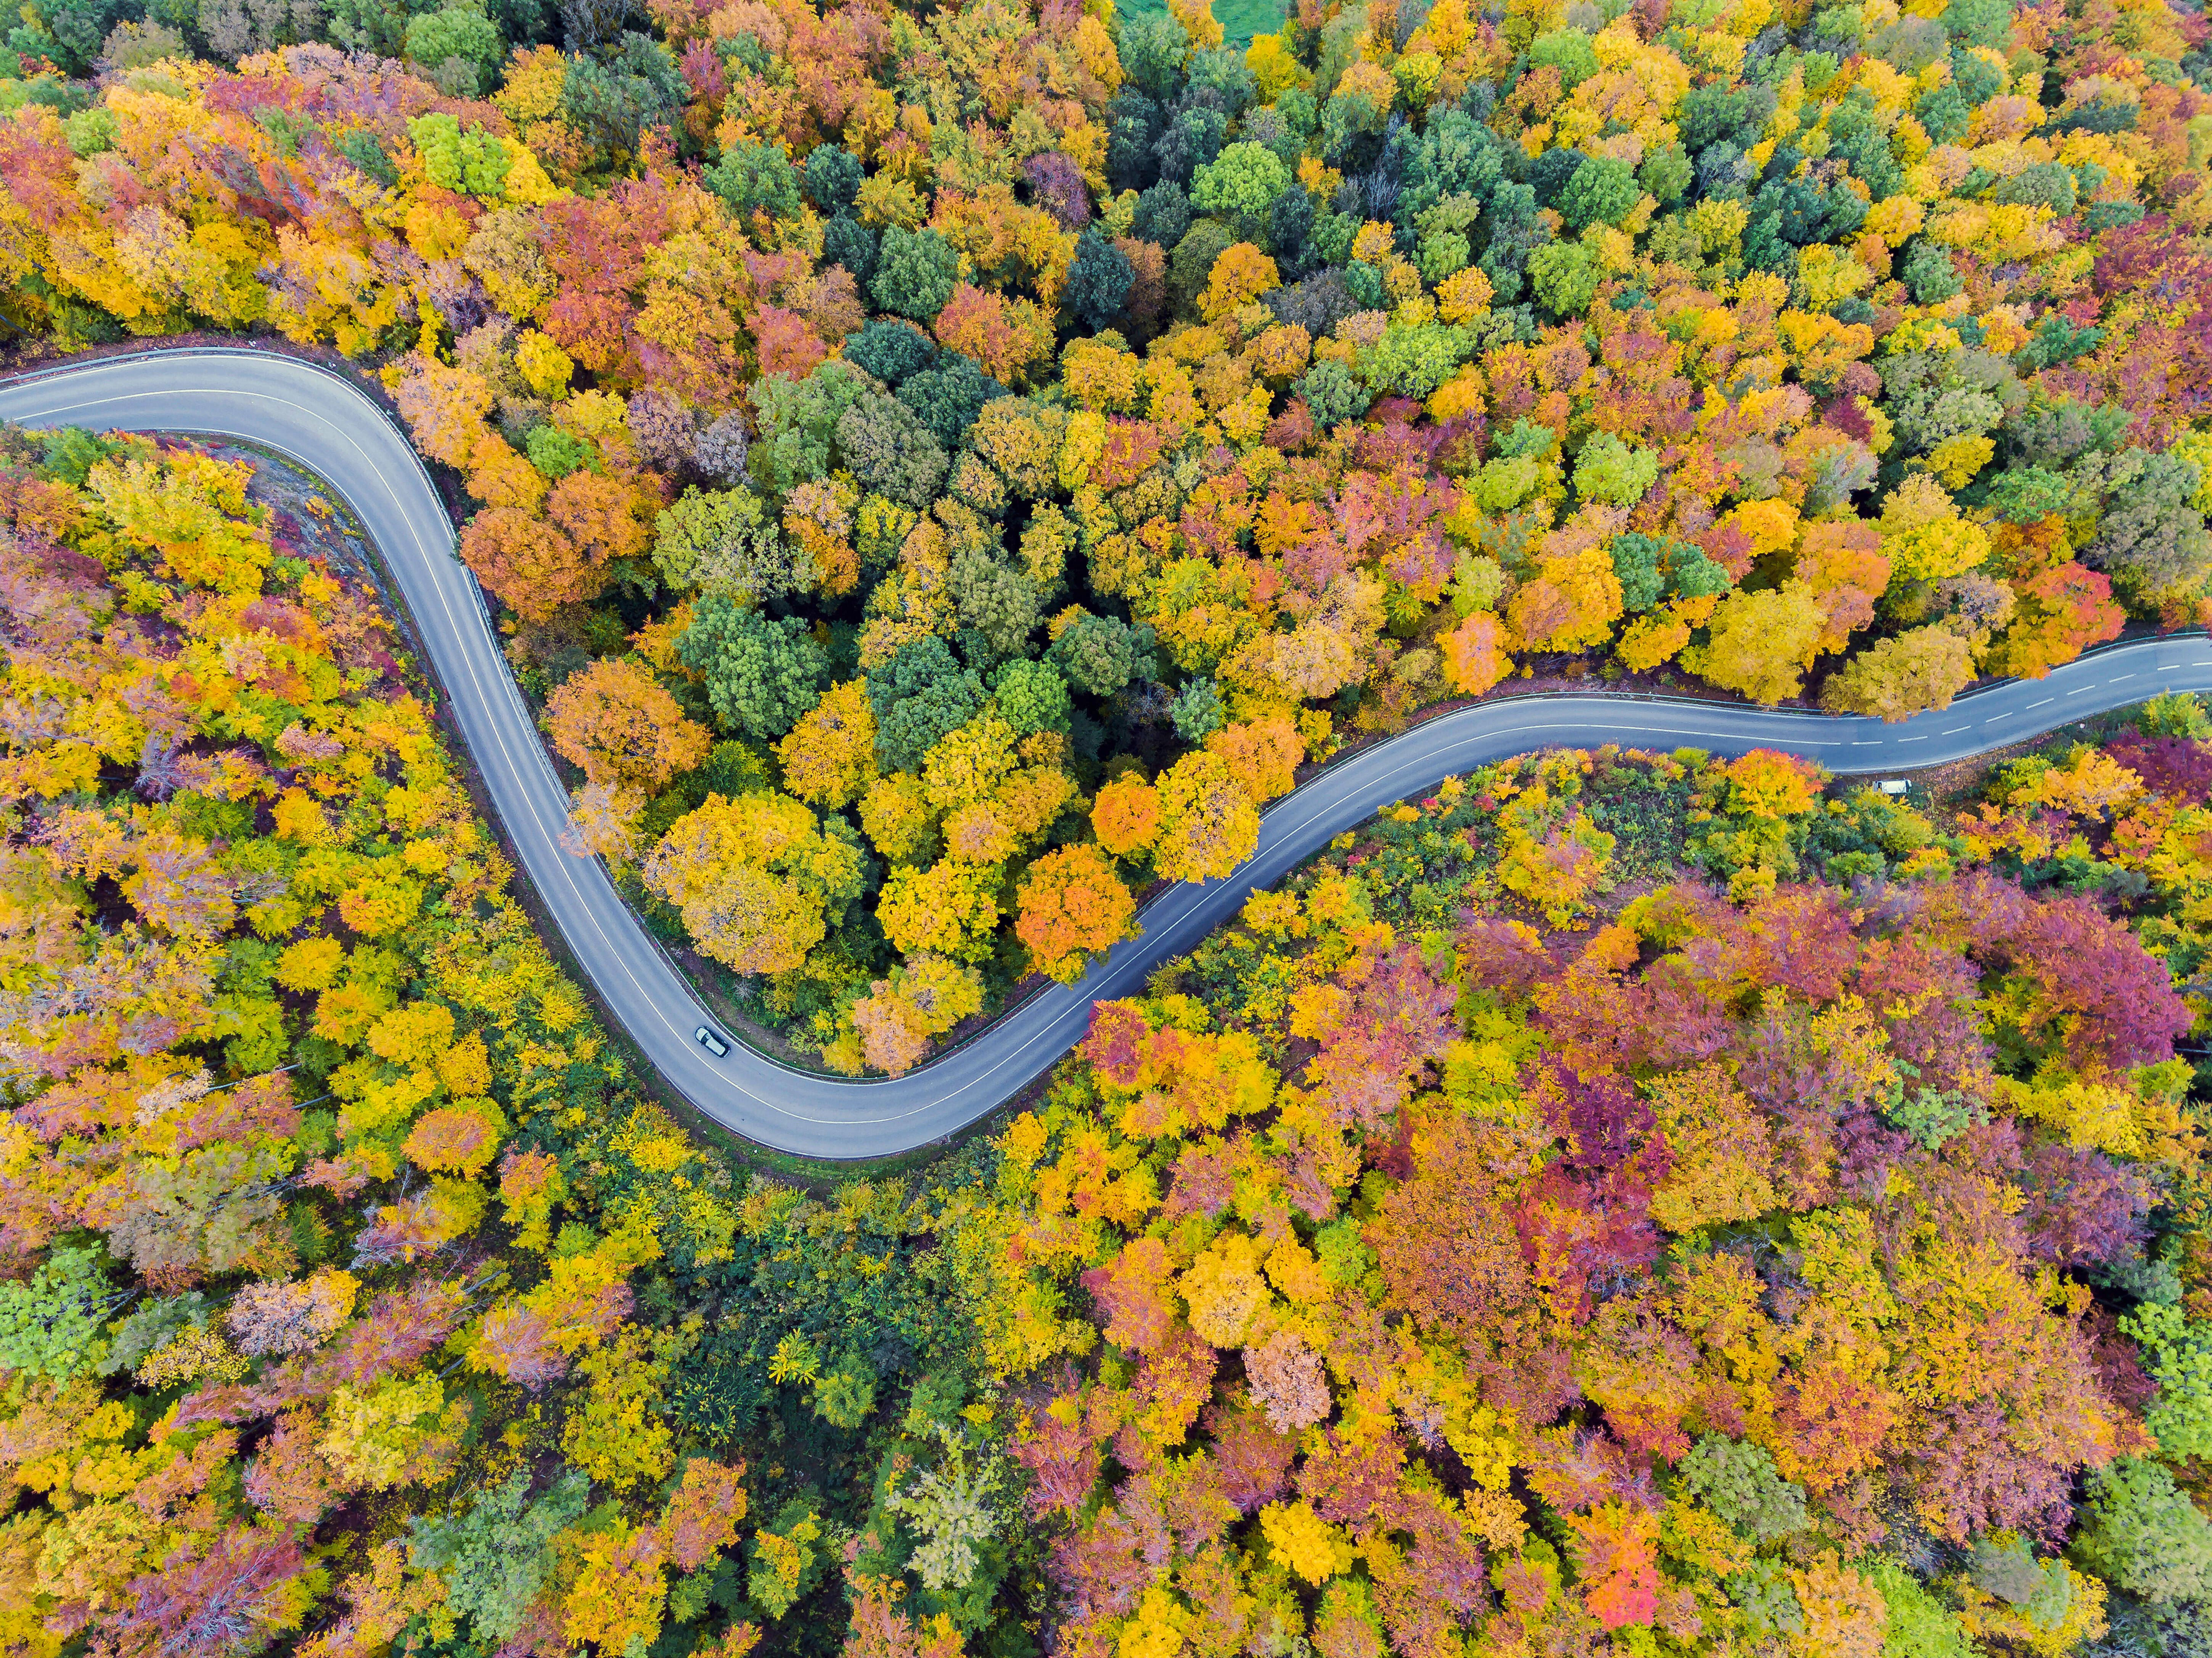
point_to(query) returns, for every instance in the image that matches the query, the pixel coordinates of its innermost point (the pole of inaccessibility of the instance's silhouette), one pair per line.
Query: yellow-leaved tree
(758, 878)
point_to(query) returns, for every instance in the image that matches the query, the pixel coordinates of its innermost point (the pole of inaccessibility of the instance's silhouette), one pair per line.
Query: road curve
(330, 427)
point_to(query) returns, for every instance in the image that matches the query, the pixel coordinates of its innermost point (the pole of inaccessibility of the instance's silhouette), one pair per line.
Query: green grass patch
(1240, 20)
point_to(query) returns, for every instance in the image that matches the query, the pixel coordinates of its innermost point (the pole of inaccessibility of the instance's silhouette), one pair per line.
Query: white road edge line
(794, 1110)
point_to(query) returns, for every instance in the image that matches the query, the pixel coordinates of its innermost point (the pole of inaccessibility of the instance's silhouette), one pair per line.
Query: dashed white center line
(1954, 731)
(2045, 703)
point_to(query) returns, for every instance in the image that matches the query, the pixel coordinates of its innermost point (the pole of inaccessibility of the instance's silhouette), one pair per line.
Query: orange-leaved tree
(616, 721)
(1072, 905)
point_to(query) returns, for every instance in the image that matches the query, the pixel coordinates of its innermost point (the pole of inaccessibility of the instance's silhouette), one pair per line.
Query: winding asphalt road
(330, 427)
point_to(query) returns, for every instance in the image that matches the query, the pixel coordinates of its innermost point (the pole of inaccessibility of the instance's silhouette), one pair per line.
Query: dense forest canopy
(1614, 1203)
(1632, 1203)
(944, 471)
(352, 1299)
(947, 468)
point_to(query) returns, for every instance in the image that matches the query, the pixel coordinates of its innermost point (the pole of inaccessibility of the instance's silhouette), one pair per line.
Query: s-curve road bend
(332, 429)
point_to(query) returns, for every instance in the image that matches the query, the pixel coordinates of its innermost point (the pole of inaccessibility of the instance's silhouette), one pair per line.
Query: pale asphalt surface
(332, 428)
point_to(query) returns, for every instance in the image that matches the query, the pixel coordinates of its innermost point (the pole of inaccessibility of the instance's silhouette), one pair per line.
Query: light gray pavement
(330, 427)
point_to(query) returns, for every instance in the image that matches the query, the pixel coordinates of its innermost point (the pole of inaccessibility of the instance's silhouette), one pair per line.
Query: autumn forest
(939, 471)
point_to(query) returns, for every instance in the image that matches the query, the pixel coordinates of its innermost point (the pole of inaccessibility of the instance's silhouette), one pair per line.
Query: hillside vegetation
(947, 468)
(1615, 1204)
(944, 470)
